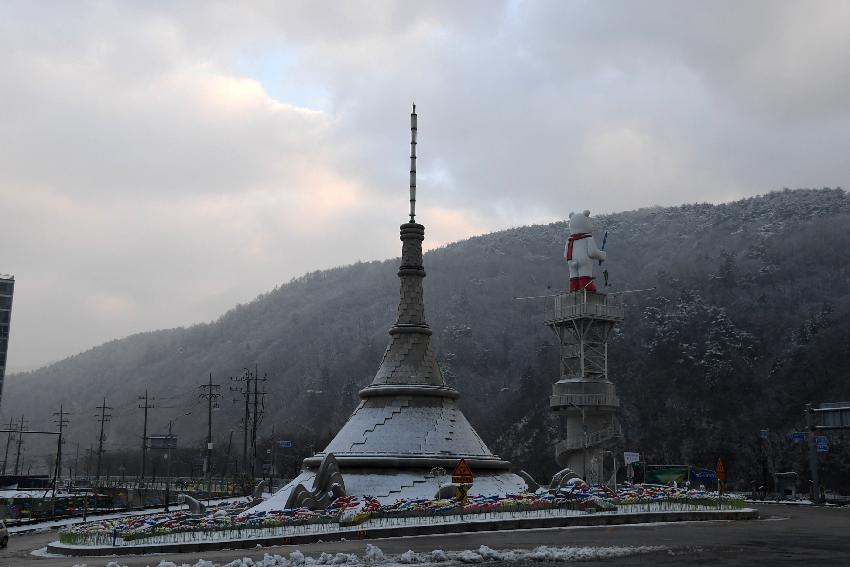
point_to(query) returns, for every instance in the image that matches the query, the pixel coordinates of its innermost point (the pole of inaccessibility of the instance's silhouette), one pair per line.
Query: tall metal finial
(413, 164)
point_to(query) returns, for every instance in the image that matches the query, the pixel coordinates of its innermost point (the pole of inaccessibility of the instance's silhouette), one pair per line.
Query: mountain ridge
(712, 267)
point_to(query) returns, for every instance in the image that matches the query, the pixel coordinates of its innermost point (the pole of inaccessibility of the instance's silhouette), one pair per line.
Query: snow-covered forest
(749, 319)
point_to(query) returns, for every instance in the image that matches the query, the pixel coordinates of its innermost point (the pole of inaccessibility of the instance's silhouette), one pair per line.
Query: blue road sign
(284, 444)
(821, 440)
(764, 433)
(703, 475)
(822, 448)
(797, 436)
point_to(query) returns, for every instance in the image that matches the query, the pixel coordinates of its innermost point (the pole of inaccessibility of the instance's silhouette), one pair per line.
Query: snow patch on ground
(375, 556)
(42, 552)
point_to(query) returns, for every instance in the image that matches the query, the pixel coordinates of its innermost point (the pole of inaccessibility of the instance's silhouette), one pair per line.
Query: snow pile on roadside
(374, 554)
(375, 557)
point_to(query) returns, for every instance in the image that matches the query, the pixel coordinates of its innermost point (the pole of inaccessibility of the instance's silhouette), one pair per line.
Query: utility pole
(103, 418)
(61, 422)
(253, 397)
(8, 442)
(211, 392)
(245, 391)
(168, 466)
(271, 465)
(88, 462)
(259, 408)
(254, 428)
(76, 463)
(227, 456)
(145, 406)
(20, 442)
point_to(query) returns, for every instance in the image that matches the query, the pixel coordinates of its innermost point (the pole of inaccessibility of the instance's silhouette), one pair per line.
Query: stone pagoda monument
(582, 319)
(407, 423)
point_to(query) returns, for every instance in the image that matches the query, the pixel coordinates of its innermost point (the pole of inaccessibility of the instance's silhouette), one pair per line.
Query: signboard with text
(703, 475)
(665, 474)
(835, 415)
(629, 458)
(163, 441)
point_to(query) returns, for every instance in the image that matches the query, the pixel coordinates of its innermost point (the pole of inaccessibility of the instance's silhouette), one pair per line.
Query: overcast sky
(162, 161)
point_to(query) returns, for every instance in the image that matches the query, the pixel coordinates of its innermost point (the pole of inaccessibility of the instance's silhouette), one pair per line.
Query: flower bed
(234, 522)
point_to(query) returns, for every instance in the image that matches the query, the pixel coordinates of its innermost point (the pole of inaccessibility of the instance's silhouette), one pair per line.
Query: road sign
(797, 436)
(163, 441)
(835, 415)
(462, 474)
(764, 433)
(629, 458)
(703, 475)
(664, 474)
(720, 470)
(284, 444)
(823, 448)
(821, 440)
(462, 492)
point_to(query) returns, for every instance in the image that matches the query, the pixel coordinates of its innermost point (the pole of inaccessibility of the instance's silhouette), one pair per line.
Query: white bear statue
(581, 252)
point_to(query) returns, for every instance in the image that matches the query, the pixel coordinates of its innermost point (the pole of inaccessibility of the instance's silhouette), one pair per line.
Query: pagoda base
(389, 485)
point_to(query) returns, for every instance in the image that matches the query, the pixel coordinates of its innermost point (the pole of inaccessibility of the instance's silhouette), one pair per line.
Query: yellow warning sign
(462, 493)
(462, 474)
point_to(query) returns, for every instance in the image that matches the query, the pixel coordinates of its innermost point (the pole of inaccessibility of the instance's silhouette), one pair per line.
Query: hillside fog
(749, 319)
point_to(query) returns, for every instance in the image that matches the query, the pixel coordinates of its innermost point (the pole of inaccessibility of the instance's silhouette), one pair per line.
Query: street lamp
(584, 451)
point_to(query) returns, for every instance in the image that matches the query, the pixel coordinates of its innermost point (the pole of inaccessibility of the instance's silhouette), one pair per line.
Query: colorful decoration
(351, 510)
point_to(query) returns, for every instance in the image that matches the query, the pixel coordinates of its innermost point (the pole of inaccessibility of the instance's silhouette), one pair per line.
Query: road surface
(786, 535)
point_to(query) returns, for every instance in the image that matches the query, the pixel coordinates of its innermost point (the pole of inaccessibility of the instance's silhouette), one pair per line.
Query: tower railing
(565, 306)
(567, 400)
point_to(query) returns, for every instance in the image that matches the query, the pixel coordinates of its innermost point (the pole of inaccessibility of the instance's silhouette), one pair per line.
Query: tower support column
(583, 397)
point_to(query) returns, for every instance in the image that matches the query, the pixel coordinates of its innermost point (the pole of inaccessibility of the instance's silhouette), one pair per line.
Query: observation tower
(583, 397)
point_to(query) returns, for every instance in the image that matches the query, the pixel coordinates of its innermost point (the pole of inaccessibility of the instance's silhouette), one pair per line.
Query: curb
(406, 531)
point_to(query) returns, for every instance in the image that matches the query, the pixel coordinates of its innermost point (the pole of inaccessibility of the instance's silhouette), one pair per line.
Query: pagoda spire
(409, 361)
(413, 164)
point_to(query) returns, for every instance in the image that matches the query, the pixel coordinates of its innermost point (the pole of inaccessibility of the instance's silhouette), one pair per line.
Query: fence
(391, 519)
(402, 519)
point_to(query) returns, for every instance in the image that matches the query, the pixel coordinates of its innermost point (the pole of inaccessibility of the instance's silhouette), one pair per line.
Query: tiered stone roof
(408, 416)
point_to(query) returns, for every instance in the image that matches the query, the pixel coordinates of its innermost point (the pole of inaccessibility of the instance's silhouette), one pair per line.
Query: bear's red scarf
(573, 238)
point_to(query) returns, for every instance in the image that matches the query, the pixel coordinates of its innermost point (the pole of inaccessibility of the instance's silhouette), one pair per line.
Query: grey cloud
(141, 165)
